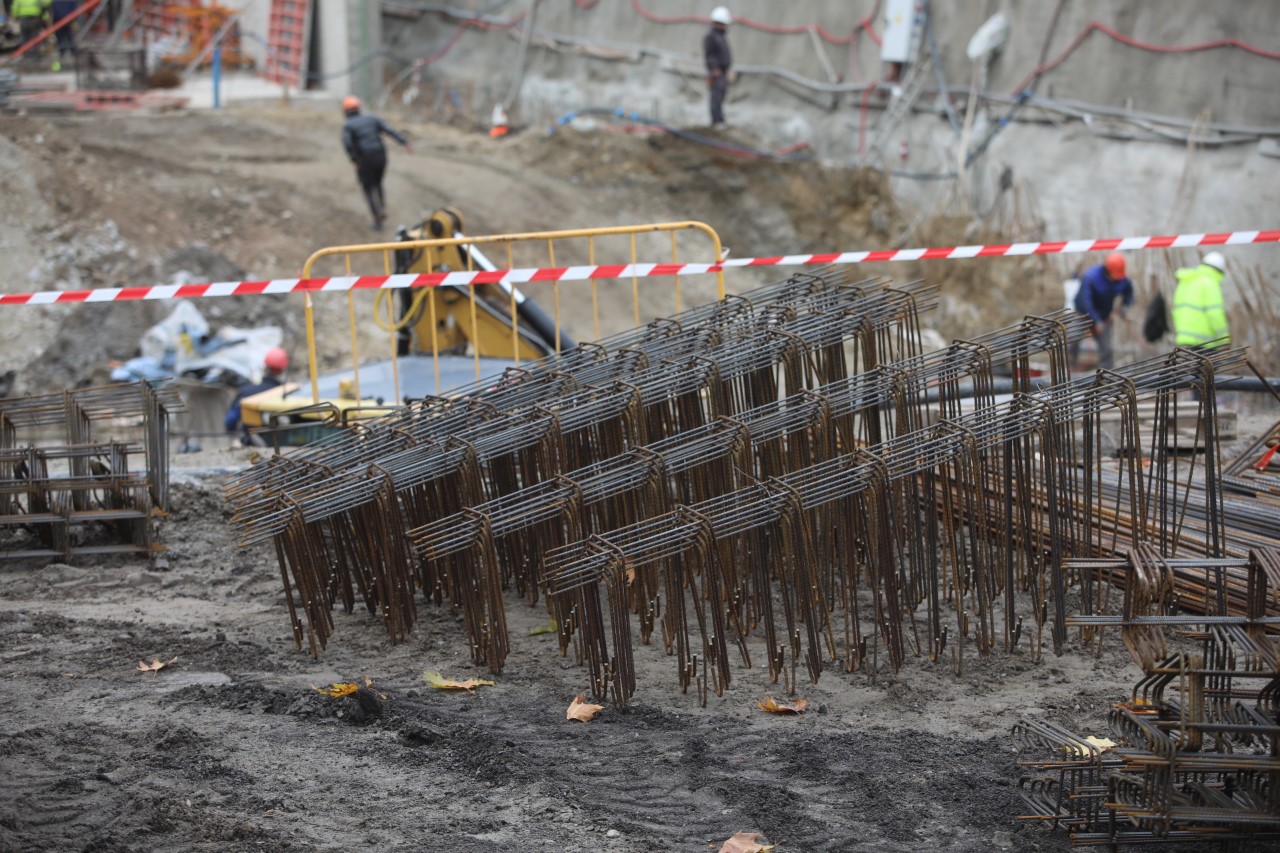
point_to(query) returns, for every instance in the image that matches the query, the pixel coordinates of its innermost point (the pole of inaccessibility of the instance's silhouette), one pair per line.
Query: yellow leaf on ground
(156, 664)
(338, 688)
(745, 842)
(1101, 744)
(544, 629)
(439, 682)
(773, 707)
(581, 710)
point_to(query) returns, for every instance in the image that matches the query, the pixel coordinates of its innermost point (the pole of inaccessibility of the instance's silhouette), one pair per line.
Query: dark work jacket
(1097, 294)
(715, 48)
(362, 134)
(232, 420)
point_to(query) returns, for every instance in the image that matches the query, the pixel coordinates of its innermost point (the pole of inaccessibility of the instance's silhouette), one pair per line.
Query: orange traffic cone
(498, 124)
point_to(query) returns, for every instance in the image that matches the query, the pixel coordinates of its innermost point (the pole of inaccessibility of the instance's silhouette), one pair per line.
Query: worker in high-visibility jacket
(1199, 315)
(30, 15)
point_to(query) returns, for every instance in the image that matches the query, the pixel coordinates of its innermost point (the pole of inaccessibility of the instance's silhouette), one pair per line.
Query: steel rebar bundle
(768, 440)
(56, 476)
(312, 506)
(616, 358)
(692, 551)
(1256, 471)
(1198, 754)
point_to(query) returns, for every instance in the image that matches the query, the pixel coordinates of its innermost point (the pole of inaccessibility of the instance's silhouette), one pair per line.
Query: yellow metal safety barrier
(433, 255)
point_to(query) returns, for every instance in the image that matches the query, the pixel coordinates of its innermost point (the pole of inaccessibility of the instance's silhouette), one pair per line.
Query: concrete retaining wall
(1079, 177)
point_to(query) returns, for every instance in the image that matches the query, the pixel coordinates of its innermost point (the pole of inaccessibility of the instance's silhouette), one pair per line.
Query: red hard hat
(276, 359)
(1115, 265)
(350, 102)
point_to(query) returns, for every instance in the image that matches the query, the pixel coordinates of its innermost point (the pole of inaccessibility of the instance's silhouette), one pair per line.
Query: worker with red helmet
(274, 365)
(362, 137)
(1100, 286)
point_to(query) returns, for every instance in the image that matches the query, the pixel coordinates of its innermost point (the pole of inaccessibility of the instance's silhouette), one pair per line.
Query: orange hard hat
(350, 102)
(1115, 265)
(276, 359)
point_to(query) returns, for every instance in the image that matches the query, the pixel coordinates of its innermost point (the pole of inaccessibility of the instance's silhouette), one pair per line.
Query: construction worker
(715, 51)
(1199, 315)
(31, 17)
(1099, 288)
(65, 36)
(362, 137)
(274, 364)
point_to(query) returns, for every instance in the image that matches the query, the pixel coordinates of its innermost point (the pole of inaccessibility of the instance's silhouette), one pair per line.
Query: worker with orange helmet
(1100, 286)
(362, 137)
(274, 365)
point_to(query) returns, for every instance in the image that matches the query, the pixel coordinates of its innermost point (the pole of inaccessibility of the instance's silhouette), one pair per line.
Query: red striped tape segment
(583, 273)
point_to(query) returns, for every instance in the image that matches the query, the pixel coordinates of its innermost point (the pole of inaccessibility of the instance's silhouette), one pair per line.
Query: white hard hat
(1215, 260)
(720, 15)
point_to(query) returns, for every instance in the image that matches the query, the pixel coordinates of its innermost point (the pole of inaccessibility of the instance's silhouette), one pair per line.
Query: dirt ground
(231, 748)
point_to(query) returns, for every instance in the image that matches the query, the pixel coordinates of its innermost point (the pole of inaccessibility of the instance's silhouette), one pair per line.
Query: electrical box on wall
(901, 18)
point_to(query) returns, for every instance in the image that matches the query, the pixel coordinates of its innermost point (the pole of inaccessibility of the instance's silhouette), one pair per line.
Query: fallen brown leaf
(439, 682)
(368, 682)
(156, 664)
(581, 710)
(745, 842)
(773, 707)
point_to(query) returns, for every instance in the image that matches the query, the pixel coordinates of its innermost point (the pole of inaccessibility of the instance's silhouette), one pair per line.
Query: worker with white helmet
(1199, 314)
(715, 50)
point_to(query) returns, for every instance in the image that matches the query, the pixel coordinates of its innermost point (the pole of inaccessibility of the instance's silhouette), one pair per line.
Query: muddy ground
(231, 748)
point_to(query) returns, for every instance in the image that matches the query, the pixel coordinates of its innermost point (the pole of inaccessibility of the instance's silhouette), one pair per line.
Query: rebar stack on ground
(1198, 754)
(613, 359)
(803, 542)
(766, 441)
(338, 513)
(1256, 471)
(57, 478)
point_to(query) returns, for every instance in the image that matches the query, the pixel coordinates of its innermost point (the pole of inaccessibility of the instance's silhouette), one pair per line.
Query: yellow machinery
(447, 336)
(489, 330)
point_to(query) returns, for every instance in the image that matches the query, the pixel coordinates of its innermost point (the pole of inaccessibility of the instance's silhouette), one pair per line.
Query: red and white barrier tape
(583, 273)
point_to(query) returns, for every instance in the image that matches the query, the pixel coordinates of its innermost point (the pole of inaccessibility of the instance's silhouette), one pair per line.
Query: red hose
(866, 24)
(463, 23)
(823, 32)
(1141, 45)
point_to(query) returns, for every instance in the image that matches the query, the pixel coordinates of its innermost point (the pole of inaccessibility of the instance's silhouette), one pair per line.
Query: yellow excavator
(445, 337)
